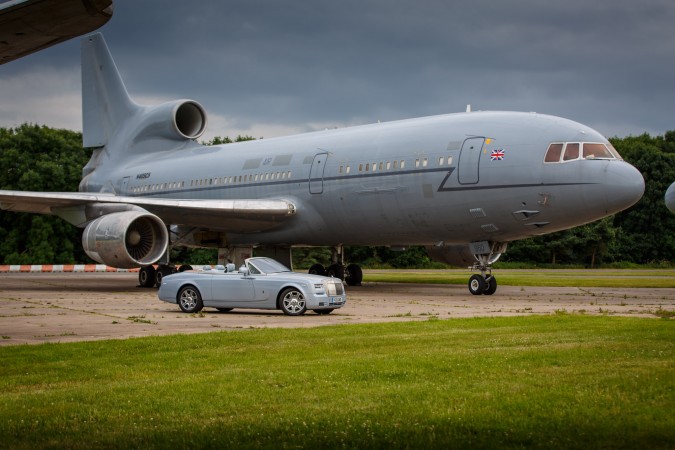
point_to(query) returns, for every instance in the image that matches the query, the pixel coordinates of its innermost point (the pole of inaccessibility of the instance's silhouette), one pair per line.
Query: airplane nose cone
(624, 186)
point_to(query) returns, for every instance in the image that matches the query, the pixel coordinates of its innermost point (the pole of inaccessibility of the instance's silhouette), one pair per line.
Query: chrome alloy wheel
(293, 302)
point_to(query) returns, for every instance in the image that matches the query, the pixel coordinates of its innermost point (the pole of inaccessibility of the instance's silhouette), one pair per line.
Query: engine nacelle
(126, 239)
(179, 119)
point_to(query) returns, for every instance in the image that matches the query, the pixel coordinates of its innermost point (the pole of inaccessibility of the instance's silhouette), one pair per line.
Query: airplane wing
(239, 216)
(27, 26)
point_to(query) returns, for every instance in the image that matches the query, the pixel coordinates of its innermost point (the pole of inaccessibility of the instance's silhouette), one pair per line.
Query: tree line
(39, 158)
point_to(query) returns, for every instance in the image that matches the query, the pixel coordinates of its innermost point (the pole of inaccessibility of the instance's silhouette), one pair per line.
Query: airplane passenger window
(425, 162)
(395, 164)
(571, 152)
(441, 161)
(596, 151)
(402, 164)
(449, 160)
(417, 163)
(553, 153)
(349, 169)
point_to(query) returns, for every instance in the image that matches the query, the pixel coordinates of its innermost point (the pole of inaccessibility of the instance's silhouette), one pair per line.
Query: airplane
(27, 26)
(670, 197)
(463, 185)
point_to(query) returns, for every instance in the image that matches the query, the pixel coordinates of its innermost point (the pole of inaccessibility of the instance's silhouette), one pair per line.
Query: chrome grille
(334, 288)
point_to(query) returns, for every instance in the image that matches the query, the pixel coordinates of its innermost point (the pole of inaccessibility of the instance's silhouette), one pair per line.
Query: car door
(232, 290)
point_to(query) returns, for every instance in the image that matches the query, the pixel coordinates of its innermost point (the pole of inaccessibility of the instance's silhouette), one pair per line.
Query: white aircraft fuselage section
(419, 181)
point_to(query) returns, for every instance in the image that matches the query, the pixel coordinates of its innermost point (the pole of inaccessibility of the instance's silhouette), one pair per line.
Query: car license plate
(336, 300)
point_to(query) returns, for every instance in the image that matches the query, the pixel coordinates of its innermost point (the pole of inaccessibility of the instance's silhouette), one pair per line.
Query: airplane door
(316, 173)
(469, 159)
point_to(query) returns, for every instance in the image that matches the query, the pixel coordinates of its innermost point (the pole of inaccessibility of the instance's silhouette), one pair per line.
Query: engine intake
(126, 239)
(178, 120)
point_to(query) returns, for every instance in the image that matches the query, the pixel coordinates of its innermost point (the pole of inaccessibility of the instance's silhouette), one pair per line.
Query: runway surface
(66, 307)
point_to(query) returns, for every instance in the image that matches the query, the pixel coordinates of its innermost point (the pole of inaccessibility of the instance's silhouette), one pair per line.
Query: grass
(625, 278)
(560, 381)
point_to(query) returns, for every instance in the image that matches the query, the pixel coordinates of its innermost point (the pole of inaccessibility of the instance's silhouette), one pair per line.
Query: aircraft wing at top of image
(27, 26)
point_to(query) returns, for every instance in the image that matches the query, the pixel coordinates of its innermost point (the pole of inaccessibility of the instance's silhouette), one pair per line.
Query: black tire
(224, 310)
(477, 284)
(146, 276)
(354, 275)
(317, 269)
(292, 302)
(324, 312)
(491, 287)
(189, 299)
(161, 272)
(336, 270)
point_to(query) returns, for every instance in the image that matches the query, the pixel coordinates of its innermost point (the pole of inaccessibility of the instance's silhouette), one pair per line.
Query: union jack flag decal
(497, 155)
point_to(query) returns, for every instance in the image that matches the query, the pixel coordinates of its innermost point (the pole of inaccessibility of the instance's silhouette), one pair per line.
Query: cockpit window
(613, 151)
(595, 151)
(553, 153)
(572, 151)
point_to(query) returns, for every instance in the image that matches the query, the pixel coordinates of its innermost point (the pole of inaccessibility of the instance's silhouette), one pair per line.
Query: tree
(38, 158)
(647, 230)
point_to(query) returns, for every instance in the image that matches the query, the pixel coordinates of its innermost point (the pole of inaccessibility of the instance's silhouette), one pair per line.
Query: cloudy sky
(271, 67)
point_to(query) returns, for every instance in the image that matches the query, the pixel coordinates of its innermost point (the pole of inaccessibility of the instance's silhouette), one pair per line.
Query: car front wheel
(189, 299)
(292, 302)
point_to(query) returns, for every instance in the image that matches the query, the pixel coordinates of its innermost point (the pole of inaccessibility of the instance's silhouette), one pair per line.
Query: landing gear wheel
(491, 285)
(146, 276)
(477, 284)
(354, 275)
(161, 272)
(317, 269)
(292, 302)
(336, 270)
(190, 300)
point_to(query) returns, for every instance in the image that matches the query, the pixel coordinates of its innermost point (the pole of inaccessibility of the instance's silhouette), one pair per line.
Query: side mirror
(244, 270)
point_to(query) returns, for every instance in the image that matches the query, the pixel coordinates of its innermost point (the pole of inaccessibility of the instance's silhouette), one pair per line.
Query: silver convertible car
(261, 283)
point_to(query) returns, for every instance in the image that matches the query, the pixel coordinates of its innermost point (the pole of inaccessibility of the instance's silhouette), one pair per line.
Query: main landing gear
(486, 254)
(149, 276)
(350, 274)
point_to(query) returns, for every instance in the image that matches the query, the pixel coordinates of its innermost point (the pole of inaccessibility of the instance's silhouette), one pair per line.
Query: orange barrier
(51, 268)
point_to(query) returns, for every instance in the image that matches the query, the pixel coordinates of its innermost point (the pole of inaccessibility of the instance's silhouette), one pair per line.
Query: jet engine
(179, 119)
(126, 239)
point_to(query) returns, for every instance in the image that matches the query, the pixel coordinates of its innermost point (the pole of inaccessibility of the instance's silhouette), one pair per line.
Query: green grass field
(624, 278)
(560, 381)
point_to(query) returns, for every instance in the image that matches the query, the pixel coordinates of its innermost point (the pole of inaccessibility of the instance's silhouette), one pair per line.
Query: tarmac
(38, 307)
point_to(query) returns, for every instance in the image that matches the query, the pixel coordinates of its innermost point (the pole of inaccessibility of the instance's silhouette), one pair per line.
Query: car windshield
(267, 265)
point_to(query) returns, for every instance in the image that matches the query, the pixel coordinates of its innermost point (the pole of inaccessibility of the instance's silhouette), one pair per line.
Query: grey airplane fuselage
(455, 178)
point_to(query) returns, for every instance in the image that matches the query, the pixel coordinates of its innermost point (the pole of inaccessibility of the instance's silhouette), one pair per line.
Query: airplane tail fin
(105, 100)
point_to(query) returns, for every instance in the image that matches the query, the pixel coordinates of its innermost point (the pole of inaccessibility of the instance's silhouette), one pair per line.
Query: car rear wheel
(189, 299)
(292, 302)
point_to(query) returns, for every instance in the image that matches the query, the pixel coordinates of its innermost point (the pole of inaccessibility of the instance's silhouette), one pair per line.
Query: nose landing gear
(486, 253)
